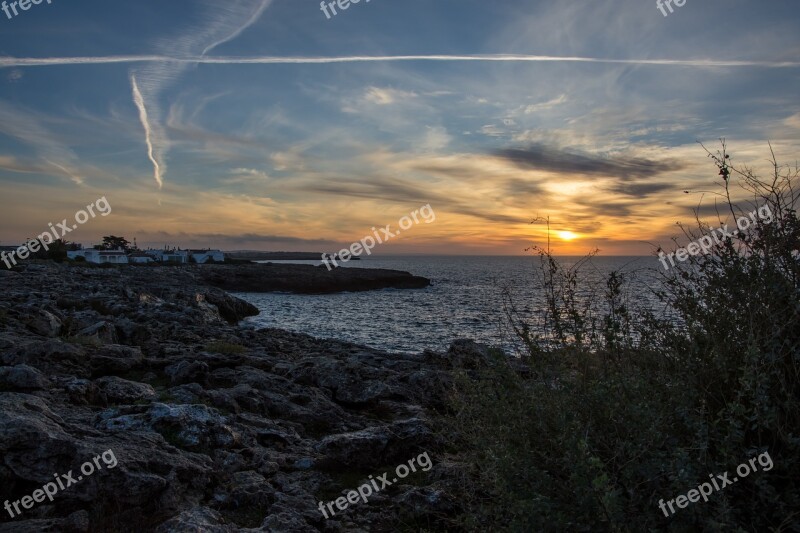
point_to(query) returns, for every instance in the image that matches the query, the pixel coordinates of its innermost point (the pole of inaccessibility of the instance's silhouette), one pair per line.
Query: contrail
(238, 31)
(139, 102)
(156, 73)
(7, 62)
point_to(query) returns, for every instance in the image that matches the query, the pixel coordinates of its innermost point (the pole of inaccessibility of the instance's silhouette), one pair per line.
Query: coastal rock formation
(306, 279)
(215, 426)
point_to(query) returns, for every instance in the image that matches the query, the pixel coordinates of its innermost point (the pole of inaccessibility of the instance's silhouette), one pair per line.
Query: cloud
(230, 239)
(181, 128)
(435, 139)
(378, 188)
(238, 28)
(598, 209)
(793, 121)
(28, 128)
(250, 172)
(379, 96)
(78, 180)
(224, 22)
(490, 130)
(641, 190)
(246, 175)
(540, 157)
(545, 105)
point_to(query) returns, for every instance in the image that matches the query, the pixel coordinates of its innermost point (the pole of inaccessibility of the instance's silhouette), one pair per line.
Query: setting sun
(567, 235)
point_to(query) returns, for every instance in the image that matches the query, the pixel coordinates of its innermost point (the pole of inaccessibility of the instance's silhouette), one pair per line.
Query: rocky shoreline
(215, 426)
(304, 279)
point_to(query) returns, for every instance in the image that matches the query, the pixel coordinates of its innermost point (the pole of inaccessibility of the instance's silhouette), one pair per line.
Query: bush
(616, 409)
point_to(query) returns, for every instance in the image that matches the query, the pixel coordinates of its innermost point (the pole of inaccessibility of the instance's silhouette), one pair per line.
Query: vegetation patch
(613, 408)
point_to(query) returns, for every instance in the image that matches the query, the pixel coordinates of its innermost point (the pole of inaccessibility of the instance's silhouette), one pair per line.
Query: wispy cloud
(793, 121)
(386, 96)
(555, 160)
(28, 128)
(231, 240)
(238, 28)
(223, 24)
(78, 180)
(246, 175)
(545, 105)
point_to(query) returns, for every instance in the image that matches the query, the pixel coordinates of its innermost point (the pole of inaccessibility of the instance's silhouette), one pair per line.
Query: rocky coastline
(304, 279)
(215, 426)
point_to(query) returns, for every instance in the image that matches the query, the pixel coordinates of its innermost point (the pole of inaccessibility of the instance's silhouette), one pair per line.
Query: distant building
(178, 256)
(141, 258)
(117, 257)
(169, 256)
(166, 255)
(204, 256)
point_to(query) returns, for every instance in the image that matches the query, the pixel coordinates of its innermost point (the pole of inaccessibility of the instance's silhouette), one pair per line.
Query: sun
(567, 235)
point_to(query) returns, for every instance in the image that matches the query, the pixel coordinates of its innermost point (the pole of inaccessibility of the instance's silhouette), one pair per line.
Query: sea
(468, 298)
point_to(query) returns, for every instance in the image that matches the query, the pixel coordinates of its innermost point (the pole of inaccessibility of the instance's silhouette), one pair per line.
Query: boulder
(118, 390)
(102, 331)
(197, 520)
(187, 372)
(188, 426)
(43, 323)
(22, 378)
(230, 308)
(375, 446)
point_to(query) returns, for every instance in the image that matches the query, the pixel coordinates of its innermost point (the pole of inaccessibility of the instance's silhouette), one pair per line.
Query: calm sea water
(464, 301)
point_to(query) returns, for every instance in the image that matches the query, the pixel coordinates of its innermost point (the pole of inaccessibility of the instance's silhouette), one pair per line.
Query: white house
(203, 256)
(169, 256)
(175, 256)
(141, 258)
(117, 257)
(148, 256)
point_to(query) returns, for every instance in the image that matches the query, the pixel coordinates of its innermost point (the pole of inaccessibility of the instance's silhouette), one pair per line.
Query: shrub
(616, 408)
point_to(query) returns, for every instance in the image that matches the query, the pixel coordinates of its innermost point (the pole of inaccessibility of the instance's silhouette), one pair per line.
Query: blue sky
(194, 143)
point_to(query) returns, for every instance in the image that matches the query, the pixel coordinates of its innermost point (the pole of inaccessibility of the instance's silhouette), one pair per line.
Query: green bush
(615, 409)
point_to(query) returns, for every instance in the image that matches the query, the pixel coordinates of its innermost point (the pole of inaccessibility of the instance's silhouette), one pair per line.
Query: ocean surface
(465, 300)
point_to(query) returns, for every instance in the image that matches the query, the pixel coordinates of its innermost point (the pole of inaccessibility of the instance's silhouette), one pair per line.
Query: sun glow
(566, 235)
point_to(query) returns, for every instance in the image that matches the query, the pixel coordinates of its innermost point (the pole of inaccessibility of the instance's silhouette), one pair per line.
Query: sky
(271, 125)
